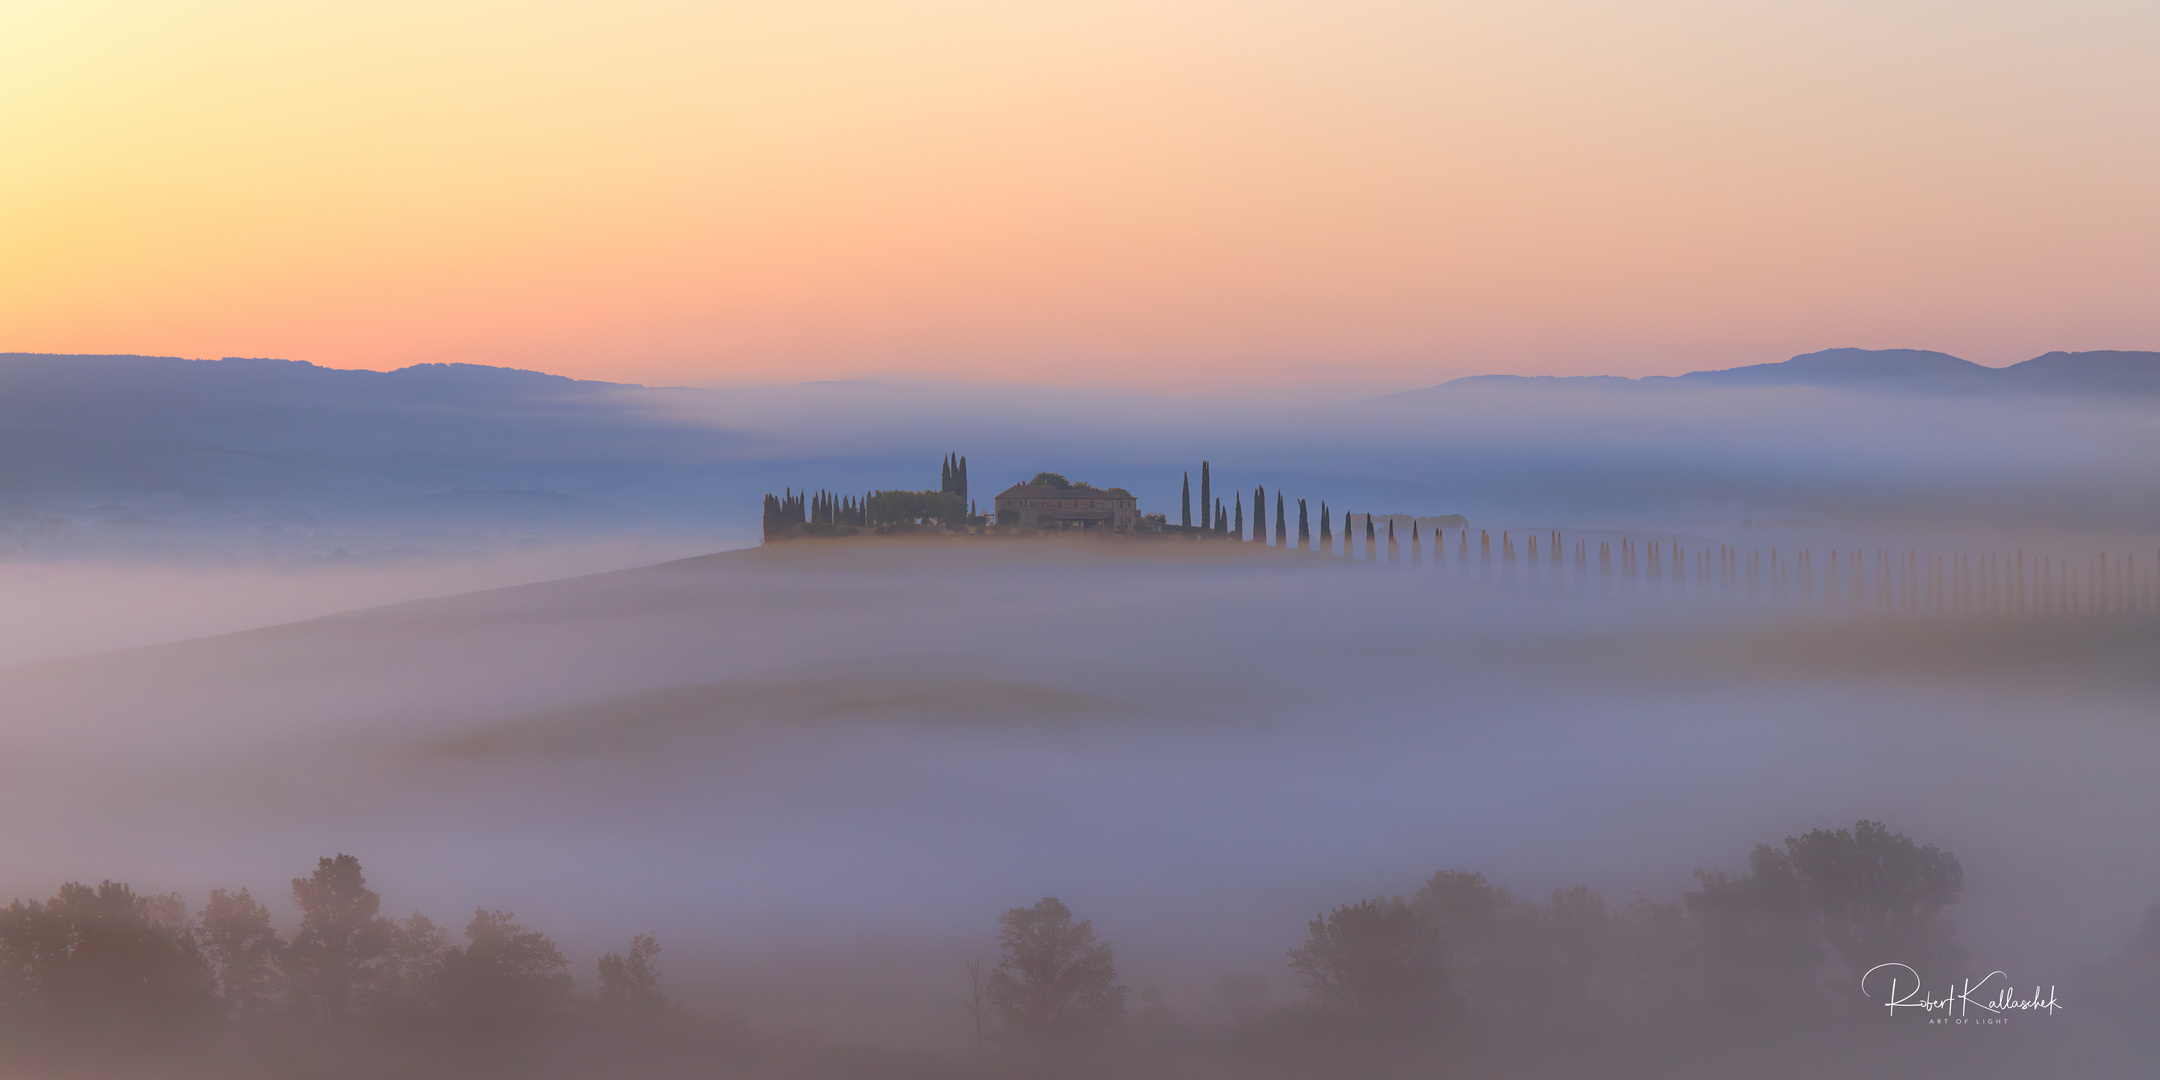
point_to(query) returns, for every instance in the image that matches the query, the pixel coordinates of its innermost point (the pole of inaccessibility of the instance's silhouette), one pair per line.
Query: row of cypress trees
(1883, 580)
(795, 513)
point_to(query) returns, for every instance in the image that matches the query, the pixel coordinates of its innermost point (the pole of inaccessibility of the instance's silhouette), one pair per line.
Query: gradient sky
(1169, 193)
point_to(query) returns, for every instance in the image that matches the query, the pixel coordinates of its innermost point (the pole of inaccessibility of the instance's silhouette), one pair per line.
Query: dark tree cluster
(792, 516)
(107, 962)
(952, 477)
(1791, 937)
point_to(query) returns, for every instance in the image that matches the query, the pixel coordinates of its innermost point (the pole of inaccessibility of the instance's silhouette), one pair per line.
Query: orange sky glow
(1170, 194)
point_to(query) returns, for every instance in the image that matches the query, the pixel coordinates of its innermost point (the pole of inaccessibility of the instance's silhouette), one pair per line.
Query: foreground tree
(1880, 895)
(1054, 981)
(244, 950)
(1376, 959)
(630, 981)
(504, 976)
(99, 956)
(342, 940)
(1861, 896)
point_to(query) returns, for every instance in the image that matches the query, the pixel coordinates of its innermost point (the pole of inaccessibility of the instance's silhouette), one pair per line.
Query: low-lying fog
(820, 771)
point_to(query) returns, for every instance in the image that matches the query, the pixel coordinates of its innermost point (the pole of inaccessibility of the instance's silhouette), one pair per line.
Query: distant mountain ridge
(1924, 371)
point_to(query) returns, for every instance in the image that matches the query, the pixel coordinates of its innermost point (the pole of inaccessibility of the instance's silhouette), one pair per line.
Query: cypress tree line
(1282, 535)
(952, 476)
(784, 515)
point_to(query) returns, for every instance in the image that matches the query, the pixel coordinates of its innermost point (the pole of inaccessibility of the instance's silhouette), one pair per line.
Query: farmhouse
(1052, 504)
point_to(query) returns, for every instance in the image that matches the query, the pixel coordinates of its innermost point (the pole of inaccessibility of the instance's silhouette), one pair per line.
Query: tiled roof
(1045, 491)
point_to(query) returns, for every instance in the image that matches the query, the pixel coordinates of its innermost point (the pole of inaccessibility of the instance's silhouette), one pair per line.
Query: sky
(1171, 194)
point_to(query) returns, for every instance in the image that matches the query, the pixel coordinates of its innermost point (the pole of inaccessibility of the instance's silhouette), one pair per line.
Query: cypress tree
(1239, 497)
(1394, 550)
(1369, 537)
(1304, 530)
(1282, 535)
(944, 476)
(1222, 519)
(964, 482)
(1185, 503)
(1259, 514)
(1208, 505)
(1327, 535)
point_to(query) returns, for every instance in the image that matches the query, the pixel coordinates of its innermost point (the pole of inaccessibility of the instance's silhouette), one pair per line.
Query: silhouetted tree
(1259, 514)
(1185, 502)
(504, 976)
(1758, 936)
(1238, 523)
(1327, 538)
(1208, 505)
(1304, 528)
(103, 955)
(1282, 534)
(1054, 981)
(243, 950)
(402, 989)
(342, 936)
(1375, 958)
(630, 981)
(1880, 896)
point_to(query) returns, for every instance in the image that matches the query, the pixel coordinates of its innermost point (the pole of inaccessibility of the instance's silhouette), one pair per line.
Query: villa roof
(1045, 491)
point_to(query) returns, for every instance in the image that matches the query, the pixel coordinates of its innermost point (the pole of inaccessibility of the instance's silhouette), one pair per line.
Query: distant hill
(1920, 371)
(123, 454)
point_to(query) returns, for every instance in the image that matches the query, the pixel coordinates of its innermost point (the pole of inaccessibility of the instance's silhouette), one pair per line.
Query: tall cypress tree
(1282, 535)
(1304, 528)
(1208, 504)
(1369, 536)
(1222, 519)
(1394, 552)
(1327, 535)
(1240, 526)
(1417, 550)
(963, 481)
(1185, 503)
